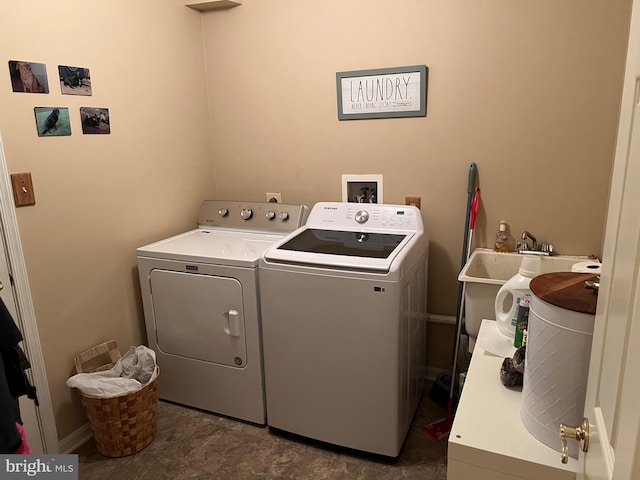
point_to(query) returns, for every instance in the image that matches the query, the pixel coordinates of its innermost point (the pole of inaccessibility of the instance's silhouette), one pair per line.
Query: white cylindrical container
(591, 266)
(560, 330)
(509, 295)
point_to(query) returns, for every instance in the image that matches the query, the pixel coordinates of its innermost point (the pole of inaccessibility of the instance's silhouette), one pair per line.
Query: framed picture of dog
(74, 80)
(95, 121)
(52, 121)
(28, 77)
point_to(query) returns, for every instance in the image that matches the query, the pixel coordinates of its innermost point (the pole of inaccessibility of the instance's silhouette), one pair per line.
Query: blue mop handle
(473, 170)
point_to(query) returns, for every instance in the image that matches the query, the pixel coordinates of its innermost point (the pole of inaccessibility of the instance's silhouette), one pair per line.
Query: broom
(441, 428)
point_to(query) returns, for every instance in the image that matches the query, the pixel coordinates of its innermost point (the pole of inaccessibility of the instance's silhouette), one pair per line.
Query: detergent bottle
(515, 289)
(502, 238)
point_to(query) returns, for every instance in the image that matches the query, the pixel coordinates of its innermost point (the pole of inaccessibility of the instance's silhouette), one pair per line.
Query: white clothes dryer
(344, 325)
(201, 306)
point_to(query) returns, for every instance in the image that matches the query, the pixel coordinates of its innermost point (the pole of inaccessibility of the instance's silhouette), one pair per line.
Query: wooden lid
(566, 290)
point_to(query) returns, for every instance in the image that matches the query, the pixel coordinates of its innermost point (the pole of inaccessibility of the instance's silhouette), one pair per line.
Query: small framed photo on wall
(28, 77)
(95, 120)
(74, 80)
(52, 121)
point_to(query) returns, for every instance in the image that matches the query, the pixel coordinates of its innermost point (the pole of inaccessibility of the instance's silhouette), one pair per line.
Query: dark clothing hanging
(10, 334)
(10, 439)
(13, 381)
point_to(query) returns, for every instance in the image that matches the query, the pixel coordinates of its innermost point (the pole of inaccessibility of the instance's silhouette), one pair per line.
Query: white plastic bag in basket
(138, 363)
(129, 374)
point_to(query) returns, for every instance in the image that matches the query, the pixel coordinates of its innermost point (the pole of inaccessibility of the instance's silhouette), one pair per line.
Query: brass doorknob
(580, 433)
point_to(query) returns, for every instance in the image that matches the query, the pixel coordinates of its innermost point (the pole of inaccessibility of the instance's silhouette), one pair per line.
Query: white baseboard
(443, 319)
(70, 443)
(432, 373)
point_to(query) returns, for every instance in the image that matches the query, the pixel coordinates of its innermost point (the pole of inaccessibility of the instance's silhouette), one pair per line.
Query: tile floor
(191, 444)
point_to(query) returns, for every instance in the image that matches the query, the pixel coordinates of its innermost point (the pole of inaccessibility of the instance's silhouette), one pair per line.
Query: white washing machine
(201, 305)
(344, 325)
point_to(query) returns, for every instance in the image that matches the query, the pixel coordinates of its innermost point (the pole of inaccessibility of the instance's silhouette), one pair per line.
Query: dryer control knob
(223, 212)
(246, 213)
(362, 216)
(270, 215)
(284, 216)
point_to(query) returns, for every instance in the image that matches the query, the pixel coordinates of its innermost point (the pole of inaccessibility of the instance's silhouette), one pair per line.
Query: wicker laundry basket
(121, 425)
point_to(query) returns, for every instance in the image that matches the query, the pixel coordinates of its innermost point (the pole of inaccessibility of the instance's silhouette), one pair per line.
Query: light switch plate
(22, 189)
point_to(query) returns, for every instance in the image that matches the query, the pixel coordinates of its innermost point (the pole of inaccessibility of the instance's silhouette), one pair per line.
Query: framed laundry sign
(382, 93)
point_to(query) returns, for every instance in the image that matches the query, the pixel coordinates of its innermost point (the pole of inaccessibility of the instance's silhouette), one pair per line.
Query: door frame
(26, 312)
(613, 389)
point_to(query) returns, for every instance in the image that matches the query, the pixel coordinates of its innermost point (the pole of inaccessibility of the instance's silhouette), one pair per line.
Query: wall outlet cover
(415, 201)
(274, 197)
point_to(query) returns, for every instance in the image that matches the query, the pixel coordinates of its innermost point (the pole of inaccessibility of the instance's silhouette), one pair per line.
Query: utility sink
(487, 266)
(486, 271)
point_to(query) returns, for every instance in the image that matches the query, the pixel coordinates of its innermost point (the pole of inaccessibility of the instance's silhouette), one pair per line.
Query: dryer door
(199, 316)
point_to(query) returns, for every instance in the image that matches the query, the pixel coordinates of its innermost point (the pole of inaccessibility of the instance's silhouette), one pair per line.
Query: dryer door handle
(233, 323)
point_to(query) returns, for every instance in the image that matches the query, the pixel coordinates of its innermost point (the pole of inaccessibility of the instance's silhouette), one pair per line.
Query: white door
(614, 388)
(27, 407)
(40, 422)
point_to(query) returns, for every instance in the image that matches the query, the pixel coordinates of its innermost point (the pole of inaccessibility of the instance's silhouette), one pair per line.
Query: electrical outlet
(414, 201)
(274, 197)
(22, 189)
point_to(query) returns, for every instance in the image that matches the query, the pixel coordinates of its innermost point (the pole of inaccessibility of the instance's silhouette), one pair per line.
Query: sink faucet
(525, 245)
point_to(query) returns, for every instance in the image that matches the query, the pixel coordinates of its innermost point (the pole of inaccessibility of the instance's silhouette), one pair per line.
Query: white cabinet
(488, 440)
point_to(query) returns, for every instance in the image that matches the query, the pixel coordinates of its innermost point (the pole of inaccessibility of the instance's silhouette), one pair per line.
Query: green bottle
(522, 320)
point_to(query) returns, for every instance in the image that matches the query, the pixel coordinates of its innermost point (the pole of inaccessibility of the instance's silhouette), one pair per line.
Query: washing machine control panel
(372, 216)
(270, 217)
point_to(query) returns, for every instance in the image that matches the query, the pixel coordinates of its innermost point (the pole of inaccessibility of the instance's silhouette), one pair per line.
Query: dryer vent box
(362, 188)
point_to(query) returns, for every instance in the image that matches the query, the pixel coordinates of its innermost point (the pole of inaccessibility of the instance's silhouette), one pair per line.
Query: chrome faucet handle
(525, 235)
(547, 248)
(593, 284)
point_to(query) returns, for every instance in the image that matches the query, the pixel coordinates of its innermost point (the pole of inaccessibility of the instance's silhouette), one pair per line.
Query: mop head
(439, 429)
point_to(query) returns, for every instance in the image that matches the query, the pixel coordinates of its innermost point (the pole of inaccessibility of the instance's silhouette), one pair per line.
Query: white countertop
(487, 431)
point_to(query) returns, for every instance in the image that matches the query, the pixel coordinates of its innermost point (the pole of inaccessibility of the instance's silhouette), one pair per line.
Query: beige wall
(101, 196)
(527, 90)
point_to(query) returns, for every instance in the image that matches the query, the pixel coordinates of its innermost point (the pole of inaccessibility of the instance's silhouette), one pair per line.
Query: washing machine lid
(367, 237)
(212, 246)
(354, 250)
(350, 244)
